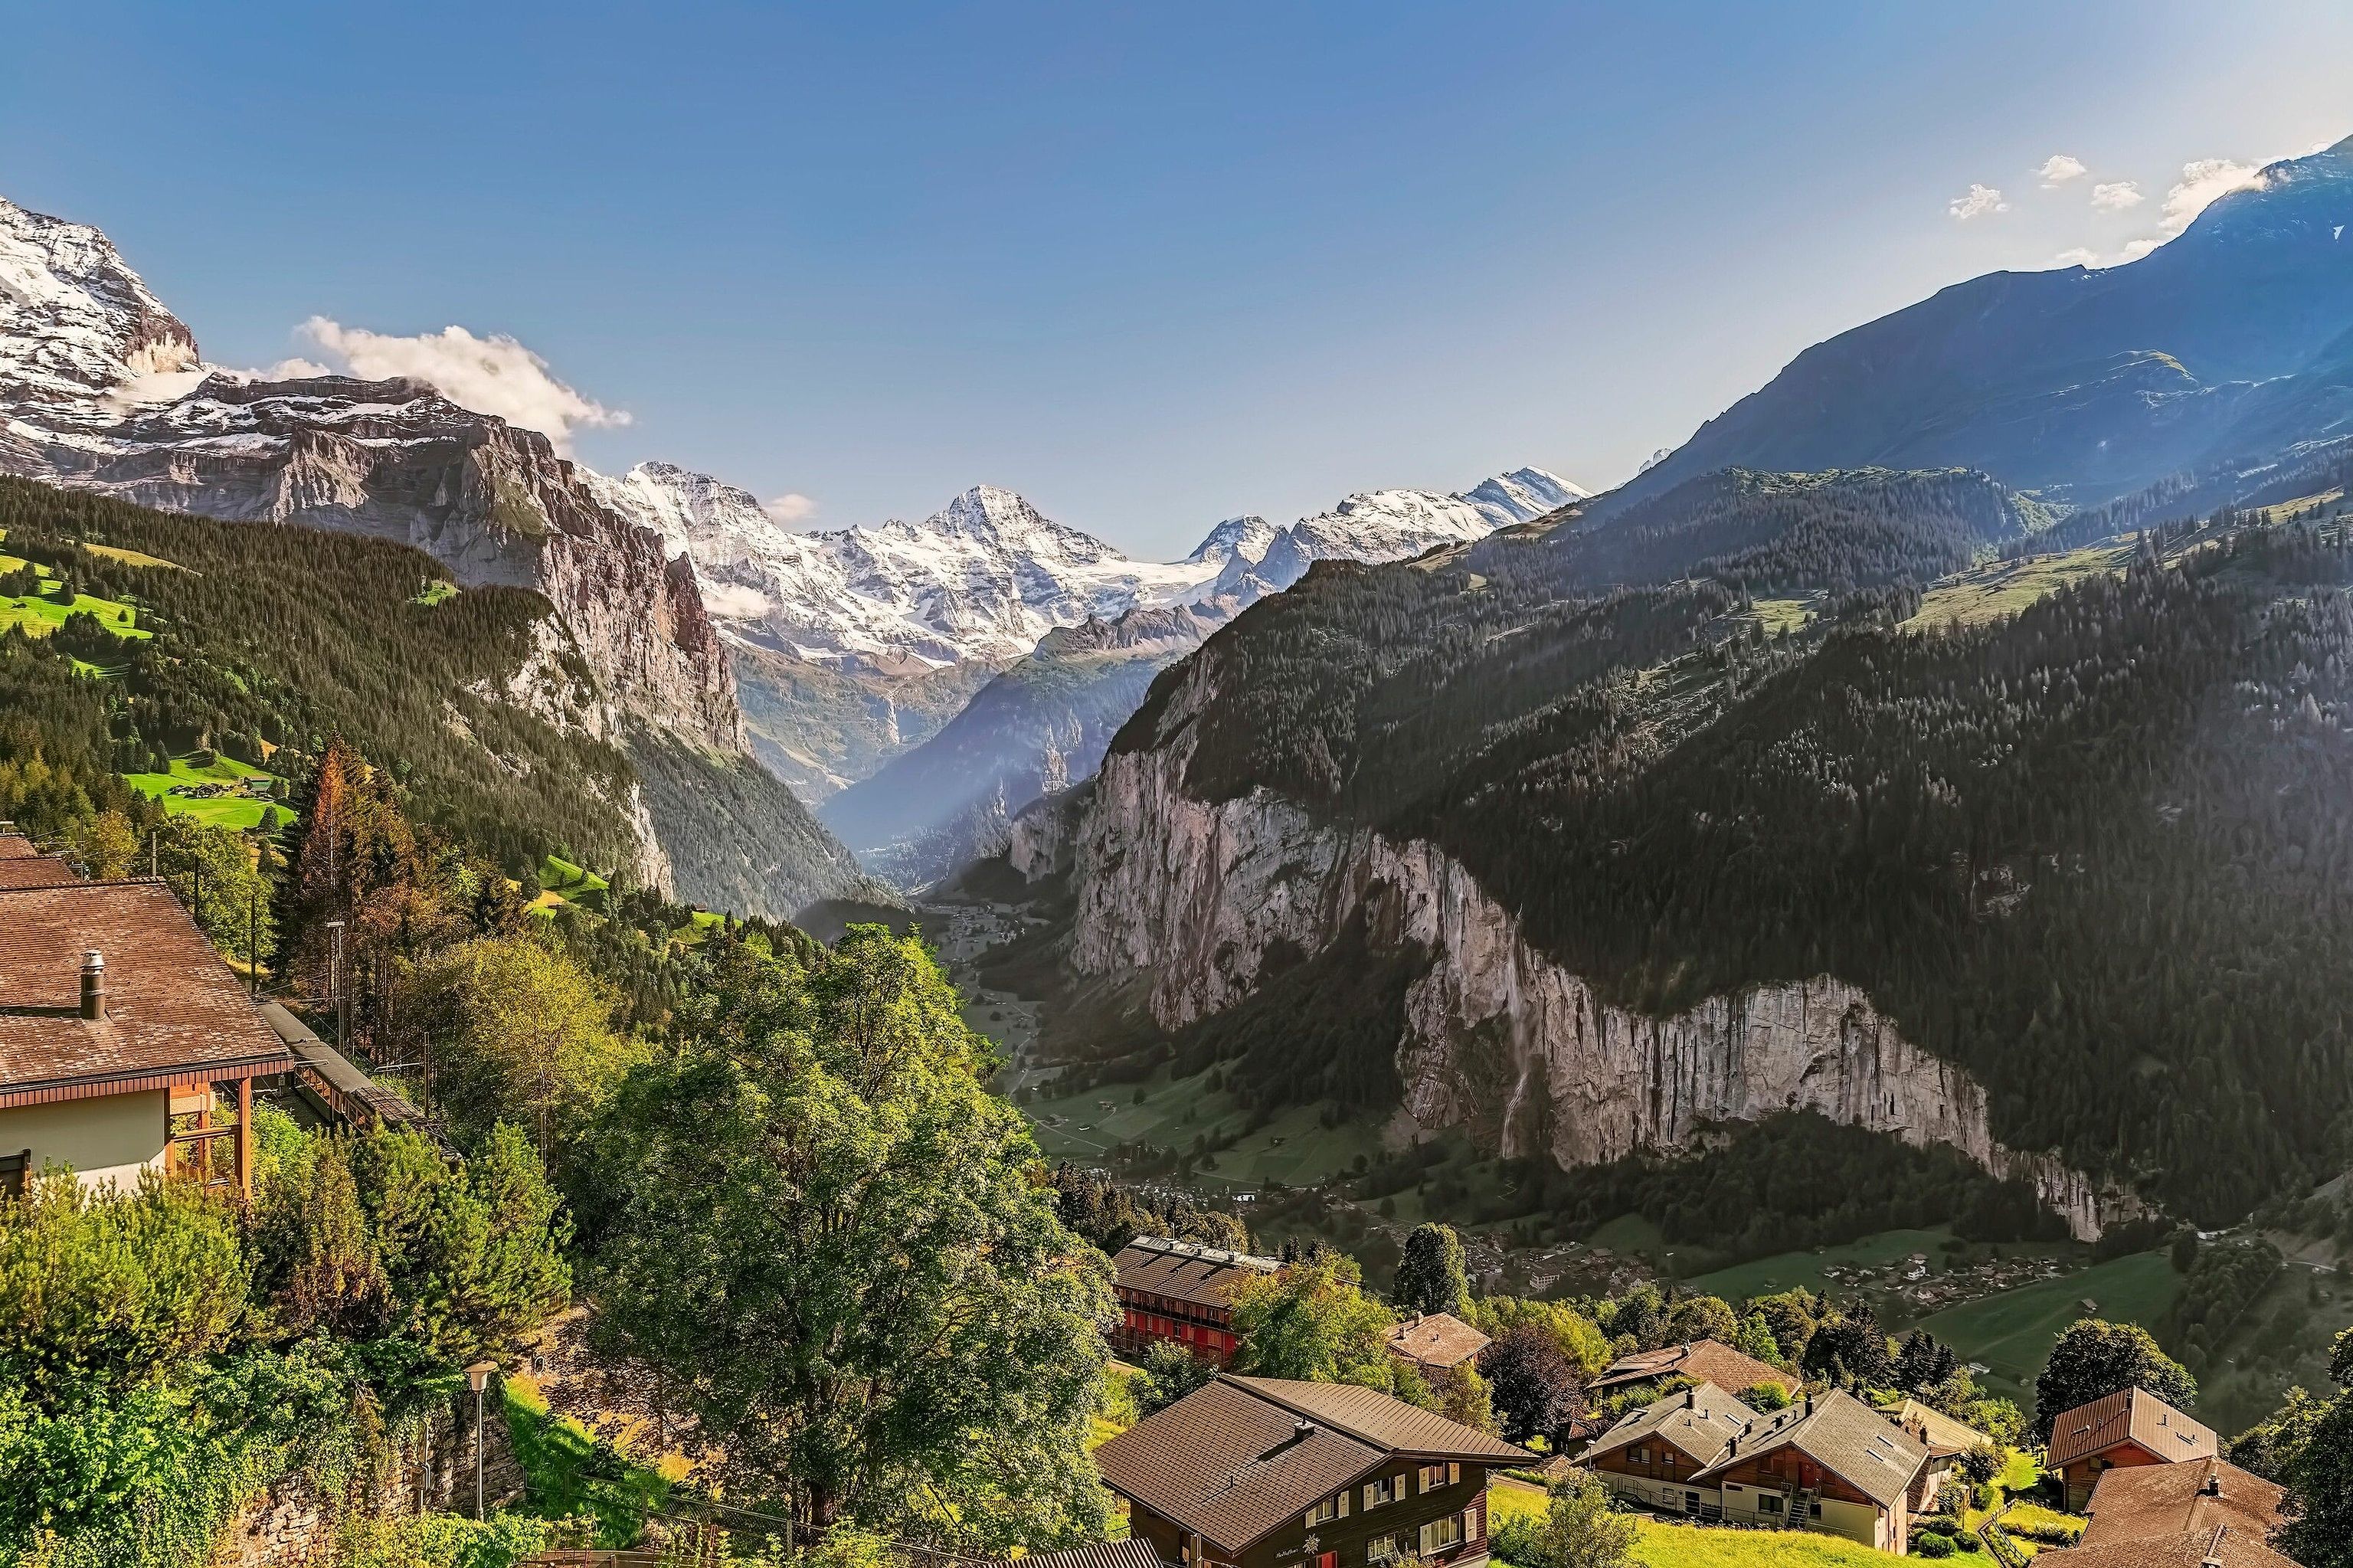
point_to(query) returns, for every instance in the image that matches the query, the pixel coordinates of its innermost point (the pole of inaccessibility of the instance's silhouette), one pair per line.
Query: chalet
(22, 865)
(2179, 1516)
(122, 1038)
(1175, 1292)
(1948, 1439)
(1656, 1452)
(1249, 1472)
(1702, 1361)
(1829, 1463)
(1436, 1343)
(2122, 1431)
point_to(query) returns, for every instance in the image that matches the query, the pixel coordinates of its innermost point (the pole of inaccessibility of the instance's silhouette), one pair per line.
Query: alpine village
(1795, 1011)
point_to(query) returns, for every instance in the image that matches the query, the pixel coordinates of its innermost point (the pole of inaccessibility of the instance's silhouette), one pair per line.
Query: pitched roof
(17, 846)
(1701, 1421)
(2222, 1546)
(1238, 1456)
(173, 1007)
(1392, 1425)
(1436, 1340)
(1134, 1552)
(2134, 1414)
(1942, 1433)
(2142, 1502)
(1844, 1436)
(34, 871)
(1708, 1360)
(1185, 1271)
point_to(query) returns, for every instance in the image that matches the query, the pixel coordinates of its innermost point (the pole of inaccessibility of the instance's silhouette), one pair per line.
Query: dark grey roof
(1701, 1421)
(1844, 1436)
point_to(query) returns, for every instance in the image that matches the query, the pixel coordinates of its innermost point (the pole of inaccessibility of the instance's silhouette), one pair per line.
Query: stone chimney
(93, 984)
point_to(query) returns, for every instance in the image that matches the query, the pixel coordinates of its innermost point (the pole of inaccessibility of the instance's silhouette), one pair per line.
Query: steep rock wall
(1498, 1037)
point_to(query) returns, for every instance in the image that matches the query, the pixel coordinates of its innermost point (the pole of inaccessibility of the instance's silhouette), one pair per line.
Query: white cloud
(1981, 199)
(2059, 168)
(493, 375)
(2201, 183)
(732, 601)
(2136, 249)
(790, 507)
(2079, 257)
(2117, 196)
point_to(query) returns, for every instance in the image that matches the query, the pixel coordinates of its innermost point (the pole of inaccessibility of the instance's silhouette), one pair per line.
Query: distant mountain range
(855, 647)
(2232, 346)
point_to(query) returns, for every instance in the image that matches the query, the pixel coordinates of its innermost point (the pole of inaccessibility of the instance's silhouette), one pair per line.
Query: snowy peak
(989, 574)
(75, 320)
(1522, 495)
(1236, 539)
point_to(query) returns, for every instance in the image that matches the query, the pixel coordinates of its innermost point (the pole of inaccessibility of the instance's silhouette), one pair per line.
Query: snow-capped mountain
(1522, 495)
(988, 576)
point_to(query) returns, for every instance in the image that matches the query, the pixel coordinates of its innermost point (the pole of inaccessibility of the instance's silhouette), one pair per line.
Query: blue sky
(1151, 266)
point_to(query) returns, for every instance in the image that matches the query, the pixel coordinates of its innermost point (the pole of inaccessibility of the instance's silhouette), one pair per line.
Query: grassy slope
(2012, 1333)
(1791, 1270)
(1664, 1545)
(2004, 588)
(236, 811)
(1307, 1151)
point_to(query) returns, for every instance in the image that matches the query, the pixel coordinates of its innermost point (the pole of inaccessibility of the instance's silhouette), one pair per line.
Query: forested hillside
(2096, 853)
(267, 641)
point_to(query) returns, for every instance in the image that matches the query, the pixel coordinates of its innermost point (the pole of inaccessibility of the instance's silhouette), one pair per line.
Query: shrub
(1933, 1546)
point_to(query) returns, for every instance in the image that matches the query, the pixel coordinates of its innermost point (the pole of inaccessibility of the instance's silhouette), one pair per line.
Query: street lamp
(478, 1377)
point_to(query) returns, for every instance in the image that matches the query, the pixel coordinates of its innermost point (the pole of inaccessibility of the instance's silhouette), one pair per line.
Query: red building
(1180, 1293)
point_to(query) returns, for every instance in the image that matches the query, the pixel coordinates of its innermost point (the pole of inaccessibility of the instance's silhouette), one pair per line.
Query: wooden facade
(1446, 1525)
(1173, 1292)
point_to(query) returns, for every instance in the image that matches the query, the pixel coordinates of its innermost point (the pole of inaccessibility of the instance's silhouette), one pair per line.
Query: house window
(1639, 1454)
(1325, 1512)
(1768, 1502)
(1384, 1491)
(1383, 1549)
(1441, 1533)
(1434, 1476)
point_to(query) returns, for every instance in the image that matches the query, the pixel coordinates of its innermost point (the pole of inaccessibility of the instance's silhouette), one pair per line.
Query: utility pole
(253, 943)
(335, 980)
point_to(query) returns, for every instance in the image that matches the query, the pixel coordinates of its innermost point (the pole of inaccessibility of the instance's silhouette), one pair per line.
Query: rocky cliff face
(1498, 1037)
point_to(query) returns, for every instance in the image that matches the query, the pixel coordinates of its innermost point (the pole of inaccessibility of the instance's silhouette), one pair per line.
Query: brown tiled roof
(1706, 1361)
(1183, 1271)
(2136, 1415)
(1133, 1553)
(17, 846)
(1236, 1457)
(1436, 1340)
(2223, 1545)
(1844, 1436)
(34, 871)
(1390, 1424)
(1701, 1421)
(2142, 1502)
(173, 1006)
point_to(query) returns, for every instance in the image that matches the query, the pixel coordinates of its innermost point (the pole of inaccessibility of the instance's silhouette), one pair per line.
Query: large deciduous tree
(1534, 1388)
(2094, 1358)
(817, 1232)
(1312, 1321)
(1431, 1276)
